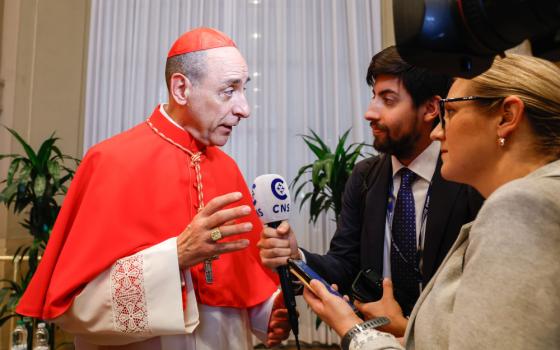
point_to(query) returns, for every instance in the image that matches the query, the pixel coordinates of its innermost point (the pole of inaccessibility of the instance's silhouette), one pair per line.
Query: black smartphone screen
(367, 286)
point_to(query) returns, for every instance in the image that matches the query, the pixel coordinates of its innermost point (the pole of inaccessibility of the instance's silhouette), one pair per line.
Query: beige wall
(387, 28)
(43, 51)
(43, 68)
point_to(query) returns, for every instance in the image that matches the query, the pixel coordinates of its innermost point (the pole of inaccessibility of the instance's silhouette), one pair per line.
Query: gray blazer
(499, 286)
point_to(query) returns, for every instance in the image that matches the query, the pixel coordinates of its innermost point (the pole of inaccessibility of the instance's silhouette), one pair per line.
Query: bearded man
(399, 216)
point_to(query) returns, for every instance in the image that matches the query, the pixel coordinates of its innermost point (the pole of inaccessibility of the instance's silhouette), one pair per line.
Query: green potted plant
(329, 173)
(35, 180)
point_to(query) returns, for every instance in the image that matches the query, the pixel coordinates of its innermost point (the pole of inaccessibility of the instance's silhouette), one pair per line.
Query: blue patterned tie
(404, 257)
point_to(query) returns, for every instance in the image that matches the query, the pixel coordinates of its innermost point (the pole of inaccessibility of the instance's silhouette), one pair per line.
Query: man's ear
(511, 114)
(431, 109)
(180, 88)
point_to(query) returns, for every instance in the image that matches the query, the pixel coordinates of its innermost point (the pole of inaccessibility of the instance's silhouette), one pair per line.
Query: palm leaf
(318, 151)
(2, 156)
(305, 198)
(57, 152)
(320, 141)
(328, 174)
(341, 142)
(45, 151)
(301, 171)
(8, 193)
(28, 150)
(12, 170)
(298, 190)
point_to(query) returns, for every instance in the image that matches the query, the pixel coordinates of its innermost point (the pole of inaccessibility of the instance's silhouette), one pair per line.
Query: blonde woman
(498, 286)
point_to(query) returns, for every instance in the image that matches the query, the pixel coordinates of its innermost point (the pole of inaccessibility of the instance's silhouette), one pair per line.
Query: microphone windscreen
(271, 198)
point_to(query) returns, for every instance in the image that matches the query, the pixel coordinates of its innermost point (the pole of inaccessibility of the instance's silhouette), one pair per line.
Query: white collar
(424, 165)
(164, 113)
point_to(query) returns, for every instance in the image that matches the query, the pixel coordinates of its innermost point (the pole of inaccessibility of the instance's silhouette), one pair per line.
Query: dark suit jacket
(359, 238)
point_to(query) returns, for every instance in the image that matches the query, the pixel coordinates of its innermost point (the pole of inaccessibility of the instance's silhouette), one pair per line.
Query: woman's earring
(501, 141)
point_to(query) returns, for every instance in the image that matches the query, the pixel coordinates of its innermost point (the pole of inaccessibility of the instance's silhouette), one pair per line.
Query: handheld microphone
(271, 198)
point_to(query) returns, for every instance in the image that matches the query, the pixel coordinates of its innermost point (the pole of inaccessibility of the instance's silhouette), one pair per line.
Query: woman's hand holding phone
(332, 309)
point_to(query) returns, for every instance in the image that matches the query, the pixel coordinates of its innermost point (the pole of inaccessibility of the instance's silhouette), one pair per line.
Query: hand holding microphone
(272, 202)
(278, 245)
(271, 198)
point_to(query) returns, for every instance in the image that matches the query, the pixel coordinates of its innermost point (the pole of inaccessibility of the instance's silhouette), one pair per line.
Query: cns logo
(278, 189)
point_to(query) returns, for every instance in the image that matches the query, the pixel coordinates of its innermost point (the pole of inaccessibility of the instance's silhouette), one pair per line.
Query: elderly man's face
(218, 102)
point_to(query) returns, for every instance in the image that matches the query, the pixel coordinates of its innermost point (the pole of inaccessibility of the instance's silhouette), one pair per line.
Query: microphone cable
(288, 294)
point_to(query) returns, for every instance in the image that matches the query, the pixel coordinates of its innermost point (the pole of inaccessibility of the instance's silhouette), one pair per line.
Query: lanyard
(420, 248)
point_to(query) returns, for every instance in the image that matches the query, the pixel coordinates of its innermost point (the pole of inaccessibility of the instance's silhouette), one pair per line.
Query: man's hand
(386, 306)
(195, 244)
(279, 325)
(332, 309)
(277, 245)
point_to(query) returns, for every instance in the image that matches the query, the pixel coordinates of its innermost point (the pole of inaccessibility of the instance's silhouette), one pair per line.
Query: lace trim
(128, 297)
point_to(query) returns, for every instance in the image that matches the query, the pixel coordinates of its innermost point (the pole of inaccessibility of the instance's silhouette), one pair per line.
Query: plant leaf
(8, 193)
(302, 170)
(305, 198)
(45, 151)
(39, 185)
(341, 143)
(317, 173)
(319, 153)
(28, 150)
(14, 166)
(53, 168)
(329, 174)
(298, 190)
(2, 156)
(320, 141)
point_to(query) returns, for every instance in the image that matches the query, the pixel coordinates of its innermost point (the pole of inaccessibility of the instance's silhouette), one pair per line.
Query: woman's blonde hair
(537, 83)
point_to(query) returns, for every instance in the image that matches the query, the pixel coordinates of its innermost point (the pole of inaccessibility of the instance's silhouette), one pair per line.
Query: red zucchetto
(199, 39)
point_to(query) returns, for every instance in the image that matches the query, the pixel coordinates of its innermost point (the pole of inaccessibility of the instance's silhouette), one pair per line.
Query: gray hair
(193, 65)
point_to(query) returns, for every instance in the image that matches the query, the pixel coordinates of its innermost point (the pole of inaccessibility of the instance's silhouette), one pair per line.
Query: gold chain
(195, 160)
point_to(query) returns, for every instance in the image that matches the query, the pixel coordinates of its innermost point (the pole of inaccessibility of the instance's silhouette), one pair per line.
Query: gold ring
(216, 234)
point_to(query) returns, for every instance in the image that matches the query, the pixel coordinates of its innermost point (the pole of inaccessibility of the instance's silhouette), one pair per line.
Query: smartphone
(367, 286)
(305, 274)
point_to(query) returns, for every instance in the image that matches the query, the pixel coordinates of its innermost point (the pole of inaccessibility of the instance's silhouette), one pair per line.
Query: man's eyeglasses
(443, 101)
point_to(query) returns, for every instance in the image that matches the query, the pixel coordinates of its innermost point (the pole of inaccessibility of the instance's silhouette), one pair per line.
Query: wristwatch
(360, 327)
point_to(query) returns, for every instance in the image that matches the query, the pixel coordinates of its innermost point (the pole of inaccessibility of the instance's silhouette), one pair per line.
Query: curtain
(307, 61)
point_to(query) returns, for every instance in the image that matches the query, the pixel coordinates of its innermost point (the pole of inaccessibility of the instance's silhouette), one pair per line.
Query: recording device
(271, 198)
(462, 37)
(305, 274)
(367, 286)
